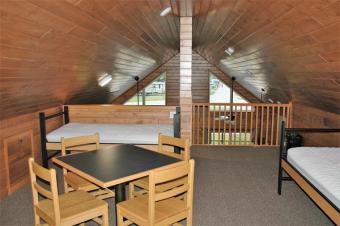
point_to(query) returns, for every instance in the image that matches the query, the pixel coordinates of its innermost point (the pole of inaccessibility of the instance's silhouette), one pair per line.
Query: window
(220, 93)
(153, 94)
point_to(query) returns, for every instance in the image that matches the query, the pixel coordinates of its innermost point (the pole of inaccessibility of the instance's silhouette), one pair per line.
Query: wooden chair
(67, 209)
(71, 180)
(164, 142)
(161, 208)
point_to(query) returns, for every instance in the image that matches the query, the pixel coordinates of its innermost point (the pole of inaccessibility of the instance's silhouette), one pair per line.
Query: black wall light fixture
(262, 93)
(137, 80)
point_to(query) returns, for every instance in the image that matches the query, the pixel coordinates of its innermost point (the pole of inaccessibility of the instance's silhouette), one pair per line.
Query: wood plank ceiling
(53, 52)
(290, 48)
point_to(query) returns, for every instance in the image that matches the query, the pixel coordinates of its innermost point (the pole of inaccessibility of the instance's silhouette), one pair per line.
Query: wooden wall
(200, 81)
(309, 117)
(118, 114)
(15, 145)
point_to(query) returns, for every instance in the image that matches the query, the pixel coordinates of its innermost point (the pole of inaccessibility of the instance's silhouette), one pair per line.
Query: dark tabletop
(116, 162)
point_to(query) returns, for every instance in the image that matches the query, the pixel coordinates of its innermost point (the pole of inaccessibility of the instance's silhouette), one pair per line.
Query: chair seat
(79, 183)
(137, 209)
(72, 206)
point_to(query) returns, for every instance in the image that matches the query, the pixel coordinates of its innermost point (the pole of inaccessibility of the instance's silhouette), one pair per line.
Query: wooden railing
(239, 124)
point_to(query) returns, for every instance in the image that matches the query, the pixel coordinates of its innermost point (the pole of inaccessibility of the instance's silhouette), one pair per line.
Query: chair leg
(36, 219)
(120, 218)
(106, 217)
(65, 183)
(189, 217)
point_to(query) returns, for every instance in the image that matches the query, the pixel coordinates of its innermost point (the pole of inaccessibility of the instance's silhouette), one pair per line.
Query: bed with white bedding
(321, 167)
(113, 133)
(116, 124)
(316, 170)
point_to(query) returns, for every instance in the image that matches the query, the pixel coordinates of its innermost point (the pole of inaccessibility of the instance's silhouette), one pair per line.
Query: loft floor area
(233, 186)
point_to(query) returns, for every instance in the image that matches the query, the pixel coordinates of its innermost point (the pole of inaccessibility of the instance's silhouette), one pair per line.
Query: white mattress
(114, 133)
(321, 166)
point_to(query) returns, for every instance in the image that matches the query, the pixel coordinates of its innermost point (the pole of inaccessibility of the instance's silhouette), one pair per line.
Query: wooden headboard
(121, 114)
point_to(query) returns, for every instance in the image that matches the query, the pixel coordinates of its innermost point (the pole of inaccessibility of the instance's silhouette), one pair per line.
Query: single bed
(316, 170)
(113, 133)
(134, 133)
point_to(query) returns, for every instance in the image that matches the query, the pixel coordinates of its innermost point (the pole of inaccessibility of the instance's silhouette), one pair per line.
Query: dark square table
(114, 166)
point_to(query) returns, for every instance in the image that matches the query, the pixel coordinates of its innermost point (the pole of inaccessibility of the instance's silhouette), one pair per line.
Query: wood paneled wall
(305, 116)
(200, 81)
(118, 114)
(13, 131)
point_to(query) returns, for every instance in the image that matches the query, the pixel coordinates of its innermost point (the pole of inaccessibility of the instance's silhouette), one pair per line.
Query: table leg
(120, 193)
(119, 196)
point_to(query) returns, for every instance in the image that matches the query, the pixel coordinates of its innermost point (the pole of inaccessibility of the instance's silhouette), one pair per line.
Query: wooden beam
(186, 76)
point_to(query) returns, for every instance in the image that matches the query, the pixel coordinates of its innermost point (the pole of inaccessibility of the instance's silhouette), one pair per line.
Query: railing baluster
(198, 124)
(193, 124)
(209, 134)
(203, 130)
(267, 126)
(219, 124)
(235, 124)
(224, 124)
(214, 131)
(240, 132)
(244, 121)
(256, 125)
(261, 131)
(272, 126)
(251, 124)
(246, 128)
(277, 125)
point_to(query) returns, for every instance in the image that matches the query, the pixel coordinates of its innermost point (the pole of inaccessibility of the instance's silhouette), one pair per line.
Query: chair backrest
(48, 176)
(166, 141)
(182, 171)
(82, 143)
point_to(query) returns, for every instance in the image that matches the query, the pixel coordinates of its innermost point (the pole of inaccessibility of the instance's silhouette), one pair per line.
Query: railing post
(282, 150)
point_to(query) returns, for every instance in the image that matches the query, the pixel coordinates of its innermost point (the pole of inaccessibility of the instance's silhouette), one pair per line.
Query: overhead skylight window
(230, 50)
(165, 11)
(104, 80)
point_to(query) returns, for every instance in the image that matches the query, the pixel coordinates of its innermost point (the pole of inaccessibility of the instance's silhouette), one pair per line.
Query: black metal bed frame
(43, 141)
(283, 156)
(65, 113)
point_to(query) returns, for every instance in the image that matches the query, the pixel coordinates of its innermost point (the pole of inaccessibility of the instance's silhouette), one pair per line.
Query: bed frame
(52, 146)
(329, 208)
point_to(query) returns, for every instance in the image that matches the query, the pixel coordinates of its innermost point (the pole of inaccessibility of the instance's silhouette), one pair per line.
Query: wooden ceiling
(55, 51)
(290, 48)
